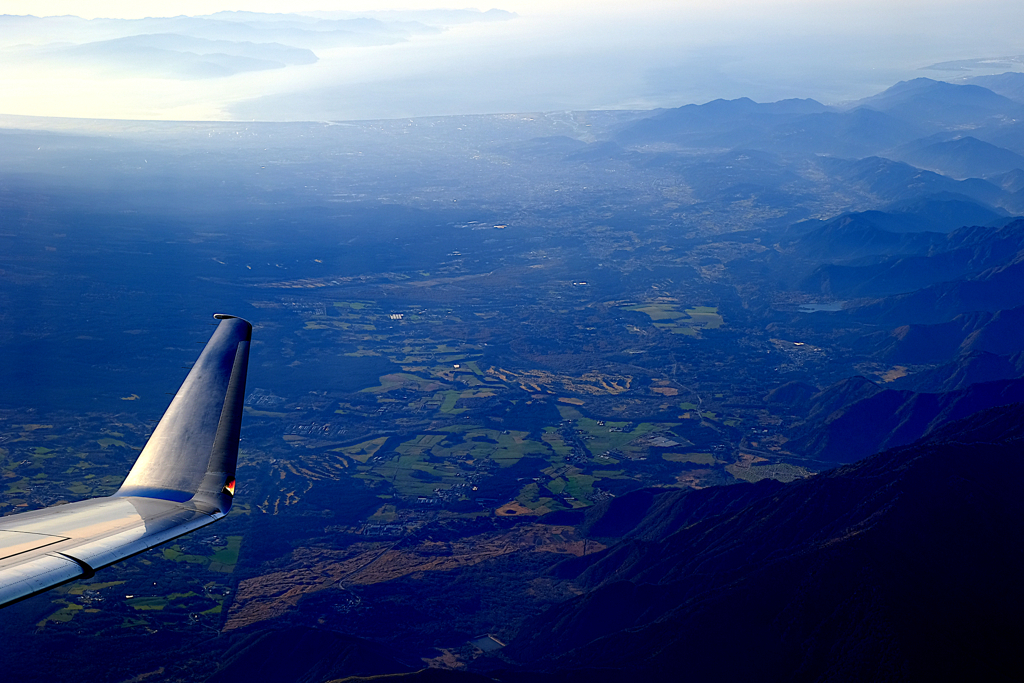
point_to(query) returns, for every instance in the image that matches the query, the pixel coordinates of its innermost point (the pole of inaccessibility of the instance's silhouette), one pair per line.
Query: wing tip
(245, 324)
(193, 450)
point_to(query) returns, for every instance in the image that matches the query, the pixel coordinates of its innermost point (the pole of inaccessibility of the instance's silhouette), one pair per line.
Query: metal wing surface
(184, 479)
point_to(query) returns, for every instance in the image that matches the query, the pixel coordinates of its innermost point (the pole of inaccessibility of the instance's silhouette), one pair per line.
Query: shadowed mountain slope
(422, 676)
(888, 263)
(900, 567)
(793, 395)
(1000, 333)
(974, 368)
(654, 512)
(861, 234)
(995, 289)
(896, 417)
(304, 655)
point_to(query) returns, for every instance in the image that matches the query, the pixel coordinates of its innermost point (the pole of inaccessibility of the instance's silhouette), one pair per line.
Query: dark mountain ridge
(975, 367)
(998, 288)
(876, 232)
(837, 433)
(999, 333)
(302, 654)
(891, 264)
(898, 567)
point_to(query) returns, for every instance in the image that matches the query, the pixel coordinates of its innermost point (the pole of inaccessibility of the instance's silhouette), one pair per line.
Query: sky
(132, 9)
(557, 55)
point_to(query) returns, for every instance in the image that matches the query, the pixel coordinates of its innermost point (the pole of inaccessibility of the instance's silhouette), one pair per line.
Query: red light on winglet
(229, 488)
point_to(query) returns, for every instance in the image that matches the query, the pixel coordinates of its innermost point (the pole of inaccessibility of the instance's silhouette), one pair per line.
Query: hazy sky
(90, 9)
(557, 55)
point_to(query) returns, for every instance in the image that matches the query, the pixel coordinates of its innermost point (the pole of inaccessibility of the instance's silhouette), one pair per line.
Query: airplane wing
(184, 479)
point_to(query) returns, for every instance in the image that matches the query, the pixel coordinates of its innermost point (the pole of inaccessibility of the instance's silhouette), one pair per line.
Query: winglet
(194, 448)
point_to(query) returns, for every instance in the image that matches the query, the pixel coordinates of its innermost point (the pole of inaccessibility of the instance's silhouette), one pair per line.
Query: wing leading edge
(184, 479)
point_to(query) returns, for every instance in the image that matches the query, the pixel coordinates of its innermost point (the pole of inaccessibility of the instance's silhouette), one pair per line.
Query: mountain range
(903, 118)
(833, 429)
(901, 566)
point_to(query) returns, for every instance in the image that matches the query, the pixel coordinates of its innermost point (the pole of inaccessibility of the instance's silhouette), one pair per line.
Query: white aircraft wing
(183, 479)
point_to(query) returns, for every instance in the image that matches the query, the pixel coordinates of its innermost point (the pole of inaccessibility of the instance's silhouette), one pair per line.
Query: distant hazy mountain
(1010, 84)
(430, 17)
(1007, 133)
(171, 55)
(720, 123)
(1012, 181)
(857, 133)
(291, 29)
(942, 105)
(211, 46)
(908, 111)
(900, 567)
(790, 126)
(961, 157)
(900, 264)
(893, 181)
